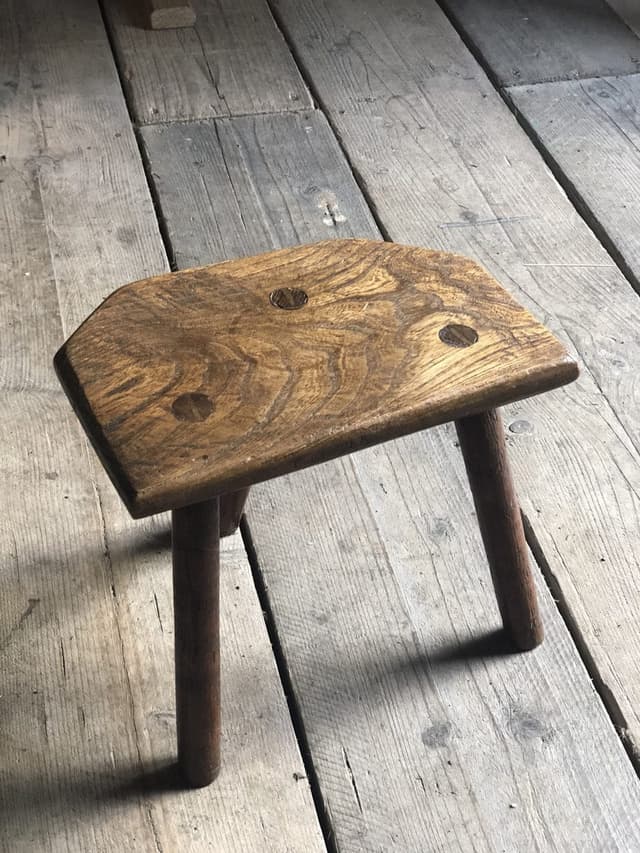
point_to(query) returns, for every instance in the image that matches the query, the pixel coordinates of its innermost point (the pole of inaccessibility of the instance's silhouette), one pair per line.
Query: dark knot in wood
(457, 335)
(192, 407)
(288, 298)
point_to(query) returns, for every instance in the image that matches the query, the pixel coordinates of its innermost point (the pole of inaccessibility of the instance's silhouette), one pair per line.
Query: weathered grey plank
(62, 129)
(261, 800)
(233, 61)
(423, 734)
(232, 188)
(65, 753)
(86, 705)
(529, 41)
(447, 166)
(591, 128)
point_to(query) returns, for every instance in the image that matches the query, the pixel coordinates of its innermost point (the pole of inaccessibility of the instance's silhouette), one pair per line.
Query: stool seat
(201, 382)
(194, 385)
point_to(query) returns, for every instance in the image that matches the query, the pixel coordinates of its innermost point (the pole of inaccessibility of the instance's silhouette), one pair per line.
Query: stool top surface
(204, 381)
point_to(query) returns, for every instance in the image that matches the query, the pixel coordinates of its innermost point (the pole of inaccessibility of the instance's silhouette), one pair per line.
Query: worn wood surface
(509, 753)
(423, 730)
(86, 642)
(167, 14)
(63, 121)
(483, 446)
(382, 341)
(591, 129)
(195, 546)
(421, 723)
(446, 165)
(530, 41)
(232, 61)
(253, 184)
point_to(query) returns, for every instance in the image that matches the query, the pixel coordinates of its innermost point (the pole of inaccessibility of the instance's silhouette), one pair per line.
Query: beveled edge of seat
(141, 505)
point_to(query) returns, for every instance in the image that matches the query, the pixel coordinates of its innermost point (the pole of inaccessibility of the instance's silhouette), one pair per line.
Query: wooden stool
(194, 385)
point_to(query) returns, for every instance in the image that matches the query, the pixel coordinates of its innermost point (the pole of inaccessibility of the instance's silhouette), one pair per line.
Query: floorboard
(588, 127)
(424, 731)
(86, 707)
(252, 184)
(591, 129)
(446, 165)
(233, 61)
(532, 41)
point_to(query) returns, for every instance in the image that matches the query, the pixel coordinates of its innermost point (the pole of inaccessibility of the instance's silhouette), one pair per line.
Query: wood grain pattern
(532, 41)
(233, 61)
(290, 161)
(196, 384)
(87, 740)
(482, 443)
(591, 129)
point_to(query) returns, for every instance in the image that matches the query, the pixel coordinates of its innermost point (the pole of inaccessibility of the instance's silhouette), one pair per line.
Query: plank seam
(604, 691)
(146, 166)
(227, 117)
(607, 696)
(635, 443)
(575, 77)
(631, 23)
(570, 191)
(569, 188)
(586, 79)
(317, 99)
(111, 26)
(295, 713)
(573, 193)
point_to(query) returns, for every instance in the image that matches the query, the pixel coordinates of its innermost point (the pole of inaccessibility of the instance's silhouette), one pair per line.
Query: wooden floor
(370, 703)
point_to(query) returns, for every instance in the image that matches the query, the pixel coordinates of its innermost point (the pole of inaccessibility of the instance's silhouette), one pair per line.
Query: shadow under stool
(194, 385)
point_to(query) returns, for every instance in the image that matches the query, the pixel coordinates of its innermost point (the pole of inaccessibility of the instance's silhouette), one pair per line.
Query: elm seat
(194, 385)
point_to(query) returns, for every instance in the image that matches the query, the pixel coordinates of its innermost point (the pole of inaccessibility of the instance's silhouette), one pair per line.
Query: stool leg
(485, 455)
(231, 509)
(196, 588)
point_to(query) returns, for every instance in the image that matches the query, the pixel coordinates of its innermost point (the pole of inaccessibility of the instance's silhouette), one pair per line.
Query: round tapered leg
(484, 451)
(196, 569)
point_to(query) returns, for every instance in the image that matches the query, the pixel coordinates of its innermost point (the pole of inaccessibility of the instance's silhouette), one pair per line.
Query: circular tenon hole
(192, 407)
(457, 335)
(288, 298)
